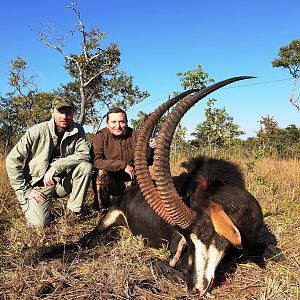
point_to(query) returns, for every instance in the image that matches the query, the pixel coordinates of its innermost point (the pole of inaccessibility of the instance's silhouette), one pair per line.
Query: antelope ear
(223, 224)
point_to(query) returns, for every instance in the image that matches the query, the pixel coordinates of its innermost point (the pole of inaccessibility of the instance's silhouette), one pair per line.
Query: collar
(71, 130)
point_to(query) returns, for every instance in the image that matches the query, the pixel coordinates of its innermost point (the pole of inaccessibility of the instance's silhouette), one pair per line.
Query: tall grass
(121, 266)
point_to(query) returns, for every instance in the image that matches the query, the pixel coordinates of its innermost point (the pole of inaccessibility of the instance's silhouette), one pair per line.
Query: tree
(268, 126)
(289, 58)
(138, 123)
(33, 106)
(195, 79)
(178, 141)
(218, 128)
(286, 142)
(9, 124)
(99, 82)
(274, 140)
(22, 107)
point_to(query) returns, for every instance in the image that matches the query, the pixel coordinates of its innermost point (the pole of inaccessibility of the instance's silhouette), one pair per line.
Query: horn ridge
(141, 169)
(182, 215)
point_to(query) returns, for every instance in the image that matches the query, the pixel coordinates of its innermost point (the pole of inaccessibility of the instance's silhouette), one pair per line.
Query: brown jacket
(112, 153)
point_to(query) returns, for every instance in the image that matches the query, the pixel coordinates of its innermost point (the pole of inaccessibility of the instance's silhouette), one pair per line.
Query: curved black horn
(140, 160)
(182, 215)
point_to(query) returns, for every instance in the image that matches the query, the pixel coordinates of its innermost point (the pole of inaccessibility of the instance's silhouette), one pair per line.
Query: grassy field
(121, 267)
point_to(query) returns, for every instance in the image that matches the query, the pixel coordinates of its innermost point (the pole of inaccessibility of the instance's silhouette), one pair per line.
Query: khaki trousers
(75, 184)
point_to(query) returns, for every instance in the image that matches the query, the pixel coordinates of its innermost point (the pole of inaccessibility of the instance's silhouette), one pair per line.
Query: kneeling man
(51, 160)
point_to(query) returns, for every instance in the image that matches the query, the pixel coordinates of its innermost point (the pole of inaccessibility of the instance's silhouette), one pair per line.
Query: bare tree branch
(91, 68)
(81, 28)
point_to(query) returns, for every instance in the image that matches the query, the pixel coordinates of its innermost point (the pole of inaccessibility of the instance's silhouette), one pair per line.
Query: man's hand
(48, 178)
(130, 171)
(37, 195)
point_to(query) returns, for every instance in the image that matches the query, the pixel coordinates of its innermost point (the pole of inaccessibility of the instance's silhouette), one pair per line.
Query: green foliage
(164, 250)
(218, 128)
(265, 212)
(138, 123)
(281, 143)
(10, 125)
(274, 141)
(289, 58)
(89, 136)
(16, 73)
(178, 141)
(23, 107)
(195, 78)
(286, 141)
(32, 106)
(98, 80)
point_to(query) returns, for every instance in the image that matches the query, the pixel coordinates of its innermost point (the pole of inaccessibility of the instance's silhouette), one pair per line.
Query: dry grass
(121, 267)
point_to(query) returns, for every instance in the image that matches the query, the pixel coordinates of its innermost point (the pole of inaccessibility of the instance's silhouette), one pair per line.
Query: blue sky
(158, 39)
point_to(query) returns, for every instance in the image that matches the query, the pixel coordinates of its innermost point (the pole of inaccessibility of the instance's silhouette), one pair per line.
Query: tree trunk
(82, 106)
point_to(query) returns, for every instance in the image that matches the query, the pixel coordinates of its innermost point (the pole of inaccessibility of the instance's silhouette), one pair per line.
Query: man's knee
(84, 168)
(36, 219)
(37, 213)
(36, 223)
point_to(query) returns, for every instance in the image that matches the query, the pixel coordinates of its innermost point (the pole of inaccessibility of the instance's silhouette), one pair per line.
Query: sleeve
(98, 157)
(14, 166)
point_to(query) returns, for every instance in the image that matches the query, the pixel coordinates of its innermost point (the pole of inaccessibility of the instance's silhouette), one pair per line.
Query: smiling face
(117, 123)
(63, 116)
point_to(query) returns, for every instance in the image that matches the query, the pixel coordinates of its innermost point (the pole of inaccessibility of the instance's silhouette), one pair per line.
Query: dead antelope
(204, 210)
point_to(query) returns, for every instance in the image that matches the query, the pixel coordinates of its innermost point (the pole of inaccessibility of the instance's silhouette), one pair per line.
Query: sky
(158, 39)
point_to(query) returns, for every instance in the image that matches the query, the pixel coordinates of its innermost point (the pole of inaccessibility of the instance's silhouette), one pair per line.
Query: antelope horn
(140, 160)
(181, 214)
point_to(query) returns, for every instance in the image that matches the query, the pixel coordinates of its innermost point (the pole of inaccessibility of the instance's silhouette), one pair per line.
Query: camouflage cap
(59, 102)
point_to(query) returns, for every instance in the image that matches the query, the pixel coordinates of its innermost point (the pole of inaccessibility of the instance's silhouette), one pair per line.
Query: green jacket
(29, 160)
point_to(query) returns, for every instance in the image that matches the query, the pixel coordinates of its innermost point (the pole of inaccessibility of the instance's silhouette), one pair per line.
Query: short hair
(114, 110)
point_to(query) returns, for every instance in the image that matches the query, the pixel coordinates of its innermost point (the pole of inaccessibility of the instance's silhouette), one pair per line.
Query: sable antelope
(206, 209)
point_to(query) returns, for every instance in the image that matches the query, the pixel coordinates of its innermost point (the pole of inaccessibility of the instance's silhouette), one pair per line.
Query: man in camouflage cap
(51, 160)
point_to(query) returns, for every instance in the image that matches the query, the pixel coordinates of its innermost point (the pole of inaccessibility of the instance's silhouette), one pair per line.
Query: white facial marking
(200, 261)
(214, 257)
(112, 216)
(206, 261)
